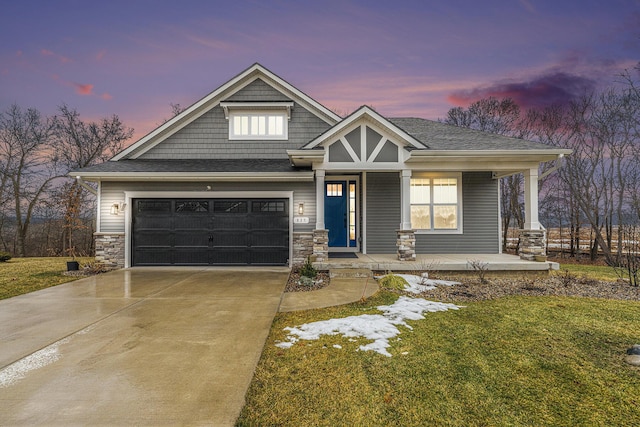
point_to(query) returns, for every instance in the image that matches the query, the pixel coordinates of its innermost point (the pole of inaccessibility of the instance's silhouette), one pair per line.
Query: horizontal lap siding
(207, 137)
(112, 192)
(382, 211)
(480, 216)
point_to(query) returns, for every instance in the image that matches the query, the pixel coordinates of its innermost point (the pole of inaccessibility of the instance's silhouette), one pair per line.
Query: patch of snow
(418, 284)
(377, 327)
(337, 346)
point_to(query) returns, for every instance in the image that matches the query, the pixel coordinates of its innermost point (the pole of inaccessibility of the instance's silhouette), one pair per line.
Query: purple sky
(404, 58)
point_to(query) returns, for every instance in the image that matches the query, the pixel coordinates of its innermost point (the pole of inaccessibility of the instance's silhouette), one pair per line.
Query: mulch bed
(293, 284)
(471, 289)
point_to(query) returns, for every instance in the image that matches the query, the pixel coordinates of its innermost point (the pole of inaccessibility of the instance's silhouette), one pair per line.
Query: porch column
(405, 200)
(531, 199)
(320, 199)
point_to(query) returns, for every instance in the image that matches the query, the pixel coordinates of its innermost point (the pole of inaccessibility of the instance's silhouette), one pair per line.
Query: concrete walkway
(340, 291)
(170, 346)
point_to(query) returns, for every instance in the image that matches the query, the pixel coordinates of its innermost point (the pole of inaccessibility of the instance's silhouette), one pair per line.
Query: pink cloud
(46, 52)
(106, 96)
(83, 89)
(101, 55)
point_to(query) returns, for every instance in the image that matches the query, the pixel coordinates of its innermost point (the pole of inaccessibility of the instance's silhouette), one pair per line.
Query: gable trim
(256, 71)
(366, 113)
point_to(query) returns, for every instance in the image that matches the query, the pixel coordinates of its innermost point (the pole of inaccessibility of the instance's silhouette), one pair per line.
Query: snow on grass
(418, 284)
(377, 327)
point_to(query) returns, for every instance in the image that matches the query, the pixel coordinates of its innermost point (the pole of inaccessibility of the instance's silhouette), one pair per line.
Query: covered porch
(436, 262)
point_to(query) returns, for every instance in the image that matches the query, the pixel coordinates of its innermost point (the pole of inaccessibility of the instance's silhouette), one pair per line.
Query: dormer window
(258, 120)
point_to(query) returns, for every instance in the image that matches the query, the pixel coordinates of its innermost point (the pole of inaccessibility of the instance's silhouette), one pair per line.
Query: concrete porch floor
(438, 262)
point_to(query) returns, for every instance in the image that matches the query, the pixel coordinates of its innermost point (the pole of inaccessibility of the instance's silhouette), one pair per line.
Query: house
(259, 173)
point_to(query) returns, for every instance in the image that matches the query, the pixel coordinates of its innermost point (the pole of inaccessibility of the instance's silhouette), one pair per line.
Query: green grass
(22, 275)
(597, 272)
(517, 361)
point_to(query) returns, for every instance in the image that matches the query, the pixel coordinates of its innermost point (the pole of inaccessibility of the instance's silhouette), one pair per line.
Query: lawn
(22, 275)
(596, 272)
(510, 361)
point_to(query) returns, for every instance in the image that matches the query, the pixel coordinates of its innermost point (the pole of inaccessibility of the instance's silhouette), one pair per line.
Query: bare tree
(501, 117)
(83, 144)
(29, 162)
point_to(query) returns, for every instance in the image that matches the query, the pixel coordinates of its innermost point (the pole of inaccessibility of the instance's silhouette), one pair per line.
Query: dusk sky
(404, 58)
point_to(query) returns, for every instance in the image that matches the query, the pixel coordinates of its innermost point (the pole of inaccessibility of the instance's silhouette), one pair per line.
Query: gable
(363, 145)
(198, 131)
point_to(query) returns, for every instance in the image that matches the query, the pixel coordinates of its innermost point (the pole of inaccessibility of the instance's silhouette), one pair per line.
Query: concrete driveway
(136, 347)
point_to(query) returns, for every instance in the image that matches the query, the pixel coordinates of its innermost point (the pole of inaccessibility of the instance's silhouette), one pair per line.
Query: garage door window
(192, 206)
(154, 206)
(230, 207)
(270, 206)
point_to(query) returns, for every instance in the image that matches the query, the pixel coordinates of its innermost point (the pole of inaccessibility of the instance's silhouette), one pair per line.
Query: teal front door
(340, 213)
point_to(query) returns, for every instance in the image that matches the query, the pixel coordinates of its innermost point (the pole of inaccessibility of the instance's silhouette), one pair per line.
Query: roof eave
(195, 176)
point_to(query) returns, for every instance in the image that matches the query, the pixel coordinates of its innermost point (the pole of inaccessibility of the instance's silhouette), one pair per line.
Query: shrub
(5, 256)
(306, 281)
(308, 270)
(391, 281)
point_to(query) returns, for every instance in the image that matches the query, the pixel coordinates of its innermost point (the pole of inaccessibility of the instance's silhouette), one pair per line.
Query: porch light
(116, 208)
(301, 209)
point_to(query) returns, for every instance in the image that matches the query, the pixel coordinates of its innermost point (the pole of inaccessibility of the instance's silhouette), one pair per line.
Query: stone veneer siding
(110, 249)
(302, 247)
(321, 245)
(532, 244)
(406, 244)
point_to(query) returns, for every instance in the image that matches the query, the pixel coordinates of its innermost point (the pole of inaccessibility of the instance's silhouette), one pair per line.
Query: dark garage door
(210, 232)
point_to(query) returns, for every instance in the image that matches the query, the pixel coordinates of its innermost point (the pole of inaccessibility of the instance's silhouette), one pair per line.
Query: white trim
(349, 149)
(497, 181)
(460, 210)
(286, 106)
(377, 150)
(365, 113)
(252, 135)
(364, 213)
(98, 205)
(199, 176)
(130, 195)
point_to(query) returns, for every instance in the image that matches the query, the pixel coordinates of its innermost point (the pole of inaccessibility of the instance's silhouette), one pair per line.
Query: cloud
(100, 55)
(83, 89)
(106, 96)
(47, 52)
(553, 88)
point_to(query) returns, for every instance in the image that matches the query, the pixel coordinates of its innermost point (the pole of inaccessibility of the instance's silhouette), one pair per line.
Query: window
(334, 190)
(435, 203)
(258, 125)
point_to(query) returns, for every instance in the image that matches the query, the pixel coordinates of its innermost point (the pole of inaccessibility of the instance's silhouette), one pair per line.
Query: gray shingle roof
(441, 136)
(195, 165)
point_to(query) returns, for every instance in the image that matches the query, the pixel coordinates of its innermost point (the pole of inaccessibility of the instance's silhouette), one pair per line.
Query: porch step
(347, 273)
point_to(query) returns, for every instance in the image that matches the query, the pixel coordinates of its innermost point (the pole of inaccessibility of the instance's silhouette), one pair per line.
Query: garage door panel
(191, 256)
(191, 238)
(267, 256)
(229, 256)
(210, 231)
(269, 238)
(153, 238)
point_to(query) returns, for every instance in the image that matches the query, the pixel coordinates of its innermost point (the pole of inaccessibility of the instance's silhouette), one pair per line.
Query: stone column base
(532, 243)
(406, 244)
(320, 245)
(302, 247)
(110, 249)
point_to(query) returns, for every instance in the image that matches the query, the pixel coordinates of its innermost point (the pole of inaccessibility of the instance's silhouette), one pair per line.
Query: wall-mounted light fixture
(116, 208)
(300, 208)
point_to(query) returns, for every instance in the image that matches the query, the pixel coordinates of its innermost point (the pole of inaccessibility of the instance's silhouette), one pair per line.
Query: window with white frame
(435, 203)
(258, 125)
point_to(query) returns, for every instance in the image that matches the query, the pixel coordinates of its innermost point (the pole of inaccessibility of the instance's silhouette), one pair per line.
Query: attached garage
(200, 231)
